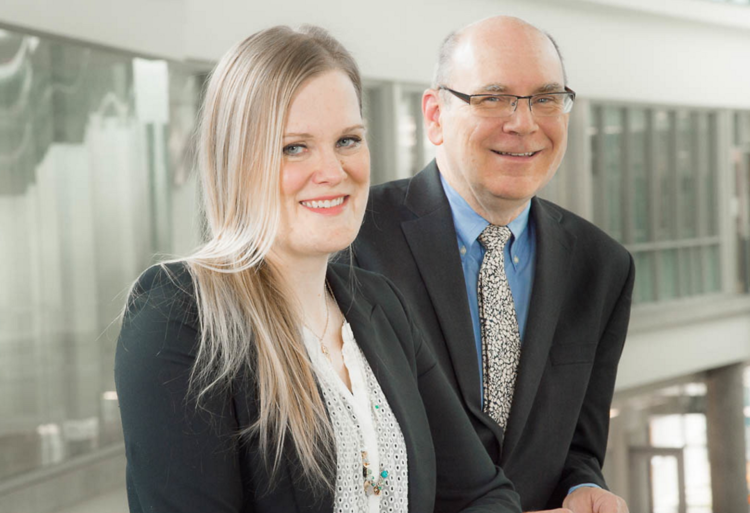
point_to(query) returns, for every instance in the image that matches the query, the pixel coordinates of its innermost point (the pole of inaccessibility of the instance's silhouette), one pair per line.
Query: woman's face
(326, 168)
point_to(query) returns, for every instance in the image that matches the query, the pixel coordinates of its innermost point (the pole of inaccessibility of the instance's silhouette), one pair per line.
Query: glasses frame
(467, 98)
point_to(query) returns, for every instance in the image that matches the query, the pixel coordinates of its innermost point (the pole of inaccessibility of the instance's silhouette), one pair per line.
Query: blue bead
(384, 474)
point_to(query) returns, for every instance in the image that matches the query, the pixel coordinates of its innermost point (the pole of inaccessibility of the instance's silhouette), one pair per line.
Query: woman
(254, 375)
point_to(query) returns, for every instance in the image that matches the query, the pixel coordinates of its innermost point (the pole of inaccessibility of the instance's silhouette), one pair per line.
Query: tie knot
(494, 237)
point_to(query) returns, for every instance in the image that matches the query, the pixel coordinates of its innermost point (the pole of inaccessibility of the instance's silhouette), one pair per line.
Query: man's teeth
(516, 154)
(324, 203)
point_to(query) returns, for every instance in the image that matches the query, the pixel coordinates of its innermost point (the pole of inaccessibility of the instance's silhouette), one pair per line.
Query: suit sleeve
(180, 459)
(589, 444)
(467, 479)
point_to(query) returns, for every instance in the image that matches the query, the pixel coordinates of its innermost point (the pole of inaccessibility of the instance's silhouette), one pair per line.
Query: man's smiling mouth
(509, 154)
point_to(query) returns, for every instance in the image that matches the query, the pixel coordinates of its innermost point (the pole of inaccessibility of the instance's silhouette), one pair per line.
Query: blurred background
(98, 100)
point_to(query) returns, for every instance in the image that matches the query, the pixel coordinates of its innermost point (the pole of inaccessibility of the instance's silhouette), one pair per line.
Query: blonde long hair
(248, 321)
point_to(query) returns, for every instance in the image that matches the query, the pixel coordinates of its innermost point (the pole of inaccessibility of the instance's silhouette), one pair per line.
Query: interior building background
(98, 100)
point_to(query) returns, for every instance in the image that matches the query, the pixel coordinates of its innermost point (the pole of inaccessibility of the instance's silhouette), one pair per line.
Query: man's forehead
(484, 68)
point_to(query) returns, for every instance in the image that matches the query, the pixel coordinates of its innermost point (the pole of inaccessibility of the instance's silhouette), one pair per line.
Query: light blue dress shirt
(520, 262)
(520, 255)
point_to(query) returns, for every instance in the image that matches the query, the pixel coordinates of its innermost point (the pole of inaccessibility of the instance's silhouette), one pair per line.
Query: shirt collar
(469, 224)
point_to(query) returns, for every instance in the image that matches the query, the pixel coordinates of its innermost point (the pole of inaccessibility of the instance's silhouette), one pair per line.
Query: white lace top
(362, 421)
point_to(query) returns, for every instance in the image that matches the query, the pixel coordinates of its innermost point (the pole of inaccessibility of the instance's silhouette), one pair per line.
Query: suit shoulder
(366, 282)
(590, 237)
(386, 209)
(163, 292)
(392, 193)
(166, 280)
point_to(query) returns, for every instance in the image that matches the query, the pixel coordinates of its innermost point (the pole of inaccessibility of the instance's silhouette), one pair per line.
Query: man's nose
(522, 120)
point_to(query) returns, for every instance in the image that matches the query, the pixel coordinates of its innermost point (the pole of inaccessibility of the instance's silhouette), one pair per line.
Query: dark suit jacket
(185, 460)
(579, 311)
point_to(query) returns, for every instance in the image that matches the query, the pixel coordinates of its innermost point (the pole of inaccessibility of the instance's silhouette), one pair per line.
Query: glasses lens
(542, 105)
(494, 105)
(551, 104)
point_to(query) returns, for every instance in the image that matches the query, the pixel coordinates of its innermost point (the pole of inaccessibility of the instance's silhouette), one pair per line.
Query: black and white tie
(501, 341)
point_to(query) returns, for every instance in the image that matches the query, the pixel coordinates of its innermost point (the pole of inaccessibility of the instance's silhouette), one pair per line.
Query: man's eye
(292, 150)
(541, 100)
(495, 101)
(349, 142)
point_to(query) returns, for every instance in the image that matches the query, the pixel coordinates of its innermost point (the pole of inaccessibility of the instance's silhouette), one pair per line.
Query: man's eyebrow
(552, 87)
(494, 88)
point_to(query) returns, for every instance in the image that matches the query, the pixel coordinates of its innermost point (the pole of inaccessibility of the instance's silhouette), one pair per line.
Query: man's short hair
(444, 64)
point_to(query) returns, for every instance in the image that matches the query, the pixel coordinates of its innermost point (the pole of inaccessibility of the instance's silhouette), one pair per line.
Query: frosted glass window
(89, 172)
(655, 190)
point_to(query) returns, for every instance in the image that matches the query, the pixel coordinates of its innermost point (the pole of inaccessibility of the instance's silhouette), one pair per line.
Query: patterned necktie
(501, 341)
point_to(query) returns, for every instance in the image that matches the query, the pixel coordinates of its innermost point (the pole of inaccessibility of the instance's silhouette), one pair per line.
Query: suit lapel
(371, 328)
(554, 246)
(433, 242)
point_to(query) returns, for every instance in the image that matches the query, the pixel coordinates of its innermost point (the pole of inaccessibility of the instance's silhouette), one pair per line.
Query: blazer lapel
(371, 328)
(554, 246)
(433, 242)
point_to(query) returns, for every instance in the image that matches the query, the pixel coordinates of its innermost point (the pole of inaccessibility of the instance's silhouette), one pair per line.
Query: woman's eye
(349, 142)
(292, 150)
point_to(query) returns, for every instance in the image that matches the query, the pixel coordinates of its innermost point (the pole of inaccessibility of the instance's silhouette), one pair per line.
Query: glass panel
(686, 272)
(662, 161)
(665, 488)
(666, 430)
(645, 290)
(374, 109)
(595, 134)
(698, 270)
(707, 132)
(742, 128)
(408, 158)
(638, 162)
(703, 170)
(668, 274)
(713, 271)
(84, 172)
(686, 182)
(698, 478)
(612, 170)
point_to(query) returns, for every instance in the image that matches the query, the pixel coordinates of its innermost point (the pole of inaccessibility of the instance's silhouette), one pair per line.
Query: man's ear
(431, 110)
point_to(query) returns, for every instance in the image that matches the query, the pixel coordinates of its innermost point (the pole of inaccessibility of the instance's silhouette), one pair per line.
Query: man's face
(508, 159)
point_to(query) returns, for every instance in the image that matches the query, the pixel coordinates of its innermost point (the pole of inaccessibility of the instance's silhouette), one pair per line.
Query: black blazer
(185, 460)
(578, 317)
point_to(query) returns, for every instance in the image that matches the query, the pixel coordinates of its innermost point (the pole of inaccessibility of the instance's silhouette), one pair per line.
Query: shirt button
(516, 260)
(463, 250)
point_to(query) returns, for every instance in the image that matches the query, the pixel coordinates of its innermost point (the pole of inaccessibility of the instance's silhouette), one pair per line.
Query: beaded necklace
(374, 483)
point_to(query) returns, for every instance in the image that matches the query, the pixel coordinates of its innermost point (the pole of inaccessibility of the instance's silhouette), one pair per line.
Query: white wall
(610, 52)
(692, 52)
(151, 27)
(663, 354)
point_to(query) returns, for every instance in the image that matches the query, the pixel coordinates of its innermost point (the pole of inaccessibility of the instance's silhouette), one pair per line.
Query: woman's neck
(305, 279)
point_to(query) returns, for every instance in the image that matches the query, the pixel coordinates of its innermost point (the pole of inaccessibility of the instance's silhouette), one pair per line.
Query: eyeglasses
(503, 105)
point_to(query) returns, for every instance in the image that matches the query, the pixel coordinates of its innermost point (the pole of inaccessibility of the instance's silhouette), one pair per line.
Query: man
(535, 371)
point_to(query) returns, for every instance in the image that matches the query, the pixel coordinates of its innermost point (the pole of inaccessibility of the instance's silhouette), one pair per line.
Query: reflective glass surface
(655, 182)
(90, 178)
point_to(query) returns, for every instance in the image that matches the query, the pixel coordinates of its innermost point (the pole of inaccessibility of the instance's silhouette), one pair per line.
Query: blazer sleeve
(588, 447)
(467, 479)
(181, 459)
